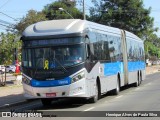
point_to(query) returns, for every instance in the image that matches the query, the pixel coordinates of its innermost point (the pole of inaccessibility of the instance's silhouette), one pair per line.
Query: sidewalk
(12, 94)
(152, 69)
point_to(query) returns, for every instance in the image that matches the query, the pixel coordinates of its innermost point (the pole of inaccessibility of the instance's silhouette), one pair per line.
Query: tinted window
(107, 48)
(115, 48)
(135, 50)
(52, 57)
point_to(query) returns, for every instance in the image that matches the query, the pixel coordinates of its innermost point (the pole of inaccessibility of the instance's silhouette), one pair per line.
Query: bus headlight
(26, 80)
(79, 76)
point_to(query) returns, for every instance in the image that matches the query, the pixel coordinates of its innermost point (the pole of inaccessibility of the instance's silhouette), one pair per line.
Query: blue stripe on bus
(50, 83)
(115, 67)
(134, 66)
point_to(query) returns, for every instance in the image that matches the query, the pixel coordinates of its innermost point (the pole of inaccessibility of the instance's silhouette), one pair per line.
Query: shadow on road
(65, 104)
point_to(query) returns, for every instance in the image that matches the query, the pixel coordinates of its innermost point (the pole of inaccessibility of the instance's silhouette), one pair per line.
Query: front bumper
(77, 89)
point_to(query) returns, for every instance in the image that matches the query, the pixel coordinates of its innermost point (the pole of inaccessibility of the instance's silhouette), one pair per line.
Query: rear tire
(140, 79)
(117, 90)
(46, 102)
(137, 83)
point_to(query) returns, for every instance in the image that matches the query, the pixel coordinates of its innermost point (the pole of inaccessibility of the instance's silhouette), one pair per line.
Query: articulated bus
(73, 58)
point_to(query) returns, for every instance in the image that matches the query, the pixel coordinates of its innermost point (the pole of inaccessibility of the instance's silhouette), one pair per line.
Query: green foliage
(152, 46)
(8, 44)
(125, 14)
(129, 15)
(52, 10)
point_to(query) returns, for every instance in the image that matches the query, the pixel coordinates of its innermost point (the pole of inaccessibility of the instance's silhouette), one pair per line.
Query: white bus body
(109, 59)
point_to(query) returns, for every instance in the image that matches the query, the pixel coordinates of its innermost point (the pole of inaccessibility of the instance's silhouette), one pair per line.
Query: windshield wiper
(65, 70)
(36, 68)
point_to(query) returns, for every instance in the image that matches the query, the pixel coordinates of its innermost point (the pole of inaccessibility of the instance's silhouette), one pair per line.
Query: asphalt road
(142, 100)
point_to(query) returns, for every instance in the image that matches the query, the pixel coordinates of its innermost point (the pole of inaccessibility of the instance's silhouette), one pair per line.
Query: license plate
(50, 94)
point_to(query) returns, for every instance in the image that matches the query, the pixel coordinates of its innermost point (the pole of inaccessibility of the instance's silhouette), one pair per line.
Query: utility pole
(84, 15)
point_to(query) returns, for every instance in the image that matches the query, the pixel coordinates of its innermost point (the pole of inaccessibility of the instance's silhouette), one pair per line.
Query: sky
(17, 9)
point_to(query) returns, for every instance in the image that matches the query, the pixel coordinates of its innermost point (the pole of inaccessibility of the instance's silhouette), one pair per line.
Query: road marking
(137, 88)
(148, 84)
(89, 109)
(119, 96)
(106, 101)
(115, 97)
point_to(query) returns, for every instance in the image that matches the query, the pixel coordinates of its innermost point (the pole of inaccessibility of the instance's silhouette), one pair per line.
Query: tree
(125, 14)
(129, 15)
(31, 18)
(52, 10)
(152, 46)
(8, 44)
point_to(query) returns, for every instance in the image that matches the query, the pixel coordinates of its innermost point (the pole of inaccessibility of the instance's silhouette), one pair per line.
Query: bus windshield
(53, 57)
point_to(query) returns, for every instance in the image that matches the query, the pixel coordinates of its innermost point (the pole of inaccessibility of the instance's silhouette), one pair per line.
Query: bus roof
(68, 26)
(54, 27)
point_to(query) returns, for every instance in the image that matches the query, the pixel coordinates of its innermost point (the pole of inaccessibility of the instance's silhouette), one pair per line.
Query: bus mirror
(112, 49)
(87, 51)
(111, 42)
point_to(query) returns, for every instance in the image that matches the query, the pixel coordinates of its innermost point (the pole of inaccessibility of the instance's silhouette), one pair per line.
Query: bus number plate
(50, 94)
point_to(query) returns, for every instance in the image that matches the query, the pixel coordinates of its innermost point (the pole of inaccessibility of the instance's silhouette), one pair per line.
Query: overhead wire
(4, 25)
(8, 16)
(4, 22)
(4, 4)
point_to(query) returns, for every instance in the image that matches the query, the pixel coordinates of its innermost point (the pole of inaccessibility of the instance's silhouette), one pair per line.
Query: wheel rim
(138, 82)
(117, 86)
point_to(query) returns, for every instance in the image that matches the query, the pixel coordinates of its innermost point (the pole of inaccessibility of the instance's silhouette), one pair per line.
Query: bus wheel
(96, 97)
(116, 91)
(136, 84)
(140, 78)
(46, 102)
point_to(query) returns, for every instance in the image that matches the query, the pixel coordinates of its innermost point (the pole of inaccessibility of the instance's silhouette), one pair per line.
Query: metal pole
(84, 15)
(66, 12)
(69, 14)
(5, 76)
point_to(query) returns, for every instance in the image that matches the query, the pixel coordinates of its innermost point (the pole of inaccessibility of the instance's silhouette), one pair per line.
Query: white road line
(115, 97)
(89, 109)
(148, 84)
(137, 88)
(119, 96)
(106, 101)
